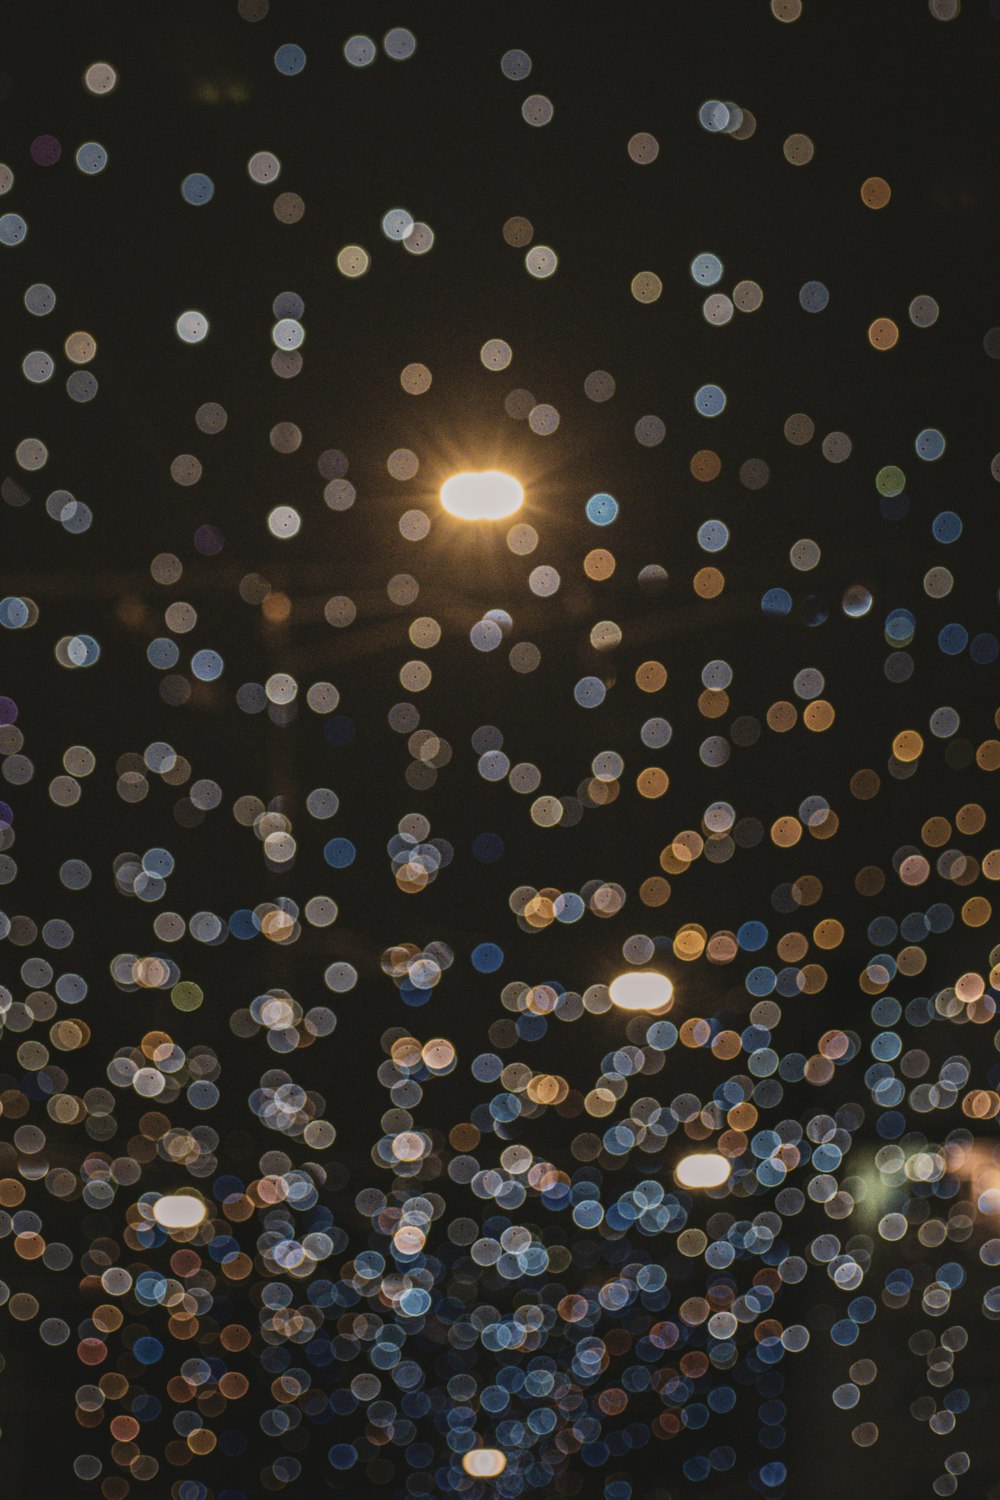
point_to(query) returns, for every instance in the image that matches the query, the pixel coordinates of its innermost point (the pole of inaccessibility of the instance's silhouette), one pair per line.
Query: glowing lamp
(641, 989)
(703, 1169)
(179, 1211)
(484, 1463)
(485, 496)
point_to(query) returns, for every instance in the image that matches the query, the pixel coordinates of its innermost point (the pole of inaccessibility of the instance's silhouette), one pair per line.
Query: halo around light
(484, 1463)
(179, 1211)
(486, 495)
(641, 989)
(703, 1169)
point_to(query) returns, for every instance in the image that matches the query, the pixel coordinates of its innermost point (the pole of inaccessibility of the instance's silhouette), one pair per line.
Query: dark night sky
(881, 89)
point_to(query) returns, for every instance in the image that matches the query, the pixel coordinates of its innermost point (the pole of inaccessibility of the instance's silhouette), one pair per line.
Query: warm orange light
(484, 1463)
(641, 989)
(485, 496)
(703, 1169)
(179, 1211)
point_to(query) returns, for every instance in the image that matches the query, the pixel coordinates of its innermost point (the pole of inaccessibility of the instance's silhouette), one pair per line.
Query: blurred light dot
(415, 379)
(197, 188)
(946, 526)
(397, 224)
(91, 158)
(875, 192)
(924, 312)
(710, 400)
(37, 366)
(602, 509)
(883, 334)
(191, 327)
(496, 354)
(284, 521)
(706, 269)
(289, 59)
(537, 109)
(353, 261)
(419, 240)
(515, 65)
(264, 167)
(718, 309)
(13, 229)
(643, 148)
(747, 296)
(518, 231)
(798, 149)
(714, 116)
(590, 692)
(39, 299)
(650, 431)
(288, 333)
(100, 78)
(399, 44)
(646, 286)
(713, 536)
(543, 419)
(814, 296)
(930, 444)
(360, 51)
(541, 261)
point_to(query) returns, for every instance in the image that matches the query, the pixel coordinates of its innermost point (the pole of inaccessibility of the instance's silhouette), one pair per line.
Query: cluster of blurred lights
(519, 1270)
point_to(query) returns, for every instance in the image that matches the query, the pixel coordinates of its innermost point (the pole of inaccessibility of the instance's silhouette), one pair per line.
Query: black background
(880, 89)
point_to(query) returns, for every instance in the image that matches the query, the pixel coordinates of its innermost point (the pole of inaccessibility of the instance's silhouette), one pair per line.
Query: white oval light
(703, 1169)
(179, 1211)
(486, 496)
(484, 1463)
(641, 989)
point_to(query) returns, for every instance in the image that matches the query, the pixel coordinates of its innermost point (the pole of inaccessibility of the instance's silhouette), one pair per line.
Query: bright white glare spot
(179, 1211)
(703, 1169)
(484, 1463)
(641, 989)
(485, 496)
